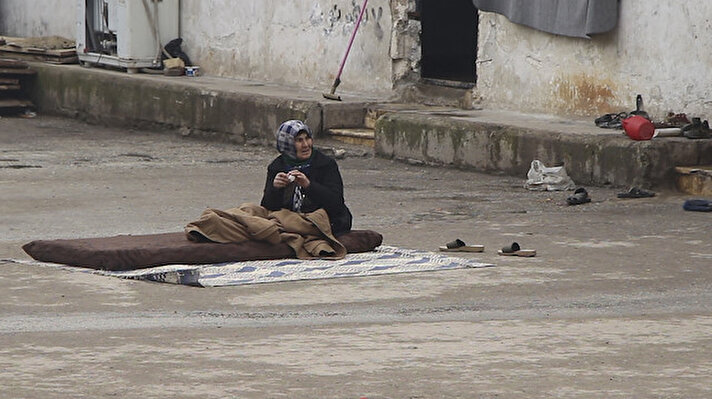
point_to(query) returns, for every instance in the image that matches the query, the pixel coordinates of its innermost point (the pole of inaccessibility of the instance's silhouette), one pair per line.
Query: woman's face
(303, 144)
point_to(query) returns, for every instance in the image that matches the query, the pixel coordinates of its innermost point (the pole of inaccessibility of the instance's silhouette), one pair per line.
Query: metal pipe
(180, 27)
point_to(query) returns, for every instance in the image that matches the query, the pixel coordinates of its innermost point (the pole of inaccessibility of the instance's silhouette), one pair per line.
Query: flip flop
(459, 246)
(580, 197)
(636, 192)
(611, 121)
(515, 250)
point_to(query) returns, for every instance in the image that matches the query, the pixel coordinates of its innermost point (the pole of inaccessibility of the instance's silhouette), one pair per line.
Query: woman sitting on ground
(303, 179)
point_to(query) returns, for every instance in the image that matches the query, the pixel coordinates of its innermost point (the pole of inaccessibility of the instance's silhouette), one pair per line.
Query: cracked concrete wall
(405, 43)
(24, 18)
(657, 50)
(294, 43)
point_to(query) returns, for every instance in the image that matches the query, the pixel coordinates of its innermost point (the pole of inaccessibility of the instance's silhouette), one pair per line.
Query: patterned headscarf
(285, 136)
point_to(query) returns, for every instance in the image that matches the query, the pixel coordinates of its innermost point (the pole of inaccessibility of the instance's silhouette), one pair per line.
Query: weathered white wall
(297, 43)
(25, 18)
(660, 49)
(294, 43)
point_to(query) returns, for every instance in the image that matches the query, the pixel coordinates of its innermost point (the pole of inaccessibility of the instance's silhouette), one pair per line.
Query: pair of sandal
(580, 197)
(636, 192)
(697, 129)
(673, 120)
(615, 121)
(510, 250)
(611, 121)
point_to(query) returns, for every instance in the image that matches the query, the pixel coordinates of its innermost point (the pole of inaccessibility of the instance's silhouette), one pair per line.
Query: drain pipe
(156, 28)
(153, 19)
(180, 22)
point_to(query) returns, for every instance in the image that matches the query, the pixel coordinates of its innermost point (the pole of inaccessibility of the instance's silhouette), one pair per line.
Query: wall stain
(349, 17)
(378, 30)
(583, 94)
(333, 16)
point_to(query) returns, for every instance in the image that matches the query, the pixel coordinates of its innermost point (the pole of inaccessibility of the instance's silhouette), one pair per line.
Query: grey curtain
(576, 18)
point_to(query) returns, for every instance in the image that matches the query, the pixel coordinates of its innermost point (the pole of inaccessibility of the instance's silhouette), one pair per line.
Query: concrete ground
(617, 303)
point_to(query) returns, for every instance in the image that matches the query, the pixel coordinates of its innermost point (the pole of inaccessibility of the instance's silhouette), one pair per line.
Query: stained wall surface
(658, 50)
(296, 43)
(25, 18)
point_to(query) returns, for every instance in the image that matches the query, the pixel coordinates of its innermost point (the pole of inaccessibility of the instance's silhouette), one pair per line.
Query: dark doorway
(448, 39)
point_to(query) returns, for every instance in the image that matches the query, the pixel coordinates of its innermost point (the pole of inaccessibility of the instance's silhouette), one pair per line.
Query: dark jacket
(326, 190)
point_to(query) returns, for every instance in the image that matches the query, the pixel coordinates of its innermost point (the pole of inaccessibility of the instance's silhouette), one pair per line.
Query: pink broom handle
(351, 41)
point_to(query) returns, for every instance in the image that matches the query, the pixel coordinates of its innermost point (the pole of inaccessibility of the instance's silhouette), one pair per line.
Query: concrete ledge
(243, 111)
(223, 109)
(607, 158)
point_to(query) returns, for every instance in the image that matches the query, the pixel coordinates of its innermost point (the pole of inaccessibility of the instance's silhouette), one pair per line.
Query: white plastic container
(192, 71)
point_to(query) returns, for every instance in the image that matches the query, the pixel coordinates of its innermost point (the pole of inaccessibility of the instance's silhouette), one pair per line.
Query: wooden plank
(62, 60)
(14, 103)
(12, 63)
(694, 180)
(9, 87)
(353, 132)
(17, 71)
(73, 59)
(8, 81)
(358, 136)
(67, 52)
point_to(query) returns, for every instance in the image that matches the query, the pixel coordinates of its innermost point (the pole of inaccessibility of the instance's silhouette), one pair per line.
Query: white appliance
(122, 33)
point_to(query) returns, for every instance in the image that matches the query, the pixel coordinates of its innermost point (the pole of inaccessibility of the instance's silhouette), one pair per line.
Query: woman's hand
(281, 180)
(298, 177)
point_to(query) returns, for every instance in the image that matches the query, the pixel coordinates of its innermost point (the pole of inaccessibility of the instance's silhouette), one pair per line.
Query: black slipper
(611, 121)
(636, 192)
(580, 197)
(515, 250)
(696, 129)
(455, 244)
(698, 205)
(459, 246)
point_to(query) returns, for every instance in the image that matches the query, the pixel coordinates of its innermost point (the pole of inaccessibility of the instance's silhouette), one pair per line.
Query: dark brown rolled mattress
(129, 252)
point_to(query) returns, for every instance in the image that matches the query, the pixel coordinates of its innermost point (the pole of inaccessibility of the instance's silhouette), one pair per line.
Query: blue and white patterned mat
(384, 260)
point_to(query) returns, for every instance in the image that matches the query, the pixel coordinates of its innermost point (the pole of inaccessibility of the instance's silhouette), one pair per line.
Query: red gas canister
(638, 128)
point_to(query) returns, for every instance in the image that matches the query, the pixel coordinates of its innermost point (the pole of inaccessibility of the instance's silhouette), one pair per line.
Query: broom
(337, 81)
